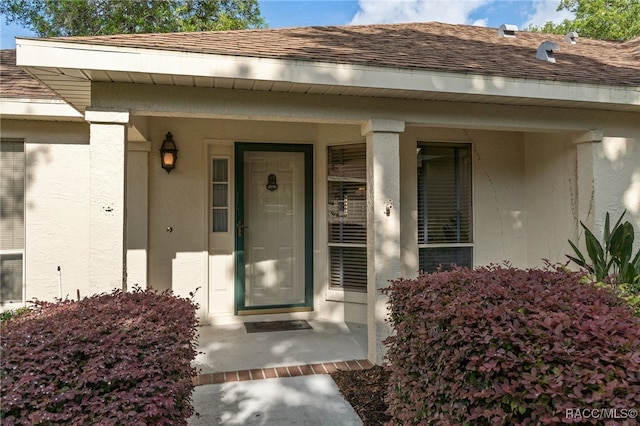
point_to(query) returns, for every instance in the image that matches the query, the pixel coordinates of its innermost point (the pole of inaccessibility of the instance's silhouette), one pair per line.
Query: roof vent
(571, 37)
(546, 51)
(507, 30)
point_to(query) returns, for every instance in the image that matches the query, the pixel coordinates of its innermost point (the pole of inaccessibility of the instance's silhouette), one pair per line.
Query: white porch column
(383, 225)
(586, 190)
(608, 181)
(107, 218)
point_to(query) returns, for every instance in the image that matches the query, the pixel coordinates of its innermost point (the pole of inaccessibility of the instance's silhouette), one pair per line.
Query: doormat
(265, 326)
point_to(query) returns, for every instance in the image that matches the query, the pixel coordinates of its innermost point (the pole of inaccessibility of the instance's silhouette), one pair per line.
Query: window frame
(347, 246)
(19, 251)
(423, 245)
(213, 182)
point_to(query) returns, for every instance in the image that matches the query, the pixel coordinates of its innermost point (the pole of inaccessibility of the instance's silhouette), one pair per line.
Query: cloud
(545, 11)
(395, 11)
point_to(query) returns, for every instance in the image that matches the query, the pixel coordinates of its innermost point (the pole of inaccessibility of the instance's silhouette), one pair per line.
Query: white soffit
(69, 68)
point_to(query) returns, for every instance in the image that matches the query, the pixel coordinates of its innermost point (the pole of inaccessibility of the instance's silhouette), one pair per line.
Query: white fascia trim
(40, 53)
(55, 109)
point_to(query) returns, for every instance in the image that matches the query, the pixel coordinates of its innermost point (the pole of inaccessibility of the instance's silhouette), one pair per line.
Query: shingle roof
(15, 83)
(425, 46)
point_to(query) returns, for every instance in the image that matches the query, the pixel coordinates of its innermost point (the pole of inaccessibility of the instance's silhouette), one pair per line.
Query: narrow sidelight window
(220, 194)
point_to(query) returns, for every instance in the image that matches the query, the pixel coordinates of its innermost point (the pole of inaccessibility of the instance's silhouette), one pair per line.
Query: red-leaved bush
(503, 346)
(120, 358)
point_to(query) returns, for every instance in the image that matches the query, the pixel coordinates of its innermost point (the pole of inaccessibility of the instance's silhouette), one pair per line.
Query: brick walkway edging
(273, 372)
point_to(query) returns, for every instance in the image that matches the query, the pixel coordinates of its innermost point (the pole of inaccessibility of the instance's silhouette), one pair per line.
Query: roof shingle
(425, 46)
(15, 83)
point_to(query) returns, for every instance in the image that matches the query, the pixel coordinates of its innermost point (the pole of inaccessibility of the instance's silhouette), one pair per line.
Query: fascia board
(38, 109)
(87, 57)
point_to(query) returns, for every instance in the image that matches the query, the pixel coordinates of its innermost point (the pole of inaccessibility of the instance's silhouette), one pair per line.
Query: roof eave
(38, 109)
(69, 67)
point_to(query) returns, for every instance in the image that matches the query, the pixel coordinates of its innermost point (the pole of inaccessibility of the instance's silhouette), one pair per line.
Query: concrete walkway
(276, 378)
(303, 400)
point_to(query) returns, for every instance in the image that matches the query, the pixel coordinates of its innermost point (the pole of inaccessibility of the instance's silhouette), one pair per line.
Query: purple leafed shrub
(504, 346)
(120, 358)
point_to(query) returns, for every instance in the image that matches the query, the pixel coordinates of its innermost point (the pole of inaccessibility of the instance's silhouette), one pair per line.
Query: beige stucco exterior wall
(571, 179)
(56, 206)
(137, 214)
(504, 162)
(617, 177)
(178, 260)
(525, 189)
(498, 197)
(551, 197)
(498, 193)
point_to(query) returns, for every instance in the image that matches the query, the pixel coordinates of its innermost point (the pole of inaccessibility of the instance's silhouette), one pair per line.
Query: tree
(51, 18)
(601, 19)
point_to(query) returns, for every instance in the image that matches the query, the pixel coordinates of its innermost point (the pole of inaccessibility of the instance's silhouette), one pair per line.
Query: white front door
(271, 229)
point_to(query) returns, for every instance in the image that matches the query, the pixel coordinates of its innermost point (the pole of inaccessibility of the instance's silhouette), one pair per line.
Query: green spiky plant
(615, 261)
(615, 258)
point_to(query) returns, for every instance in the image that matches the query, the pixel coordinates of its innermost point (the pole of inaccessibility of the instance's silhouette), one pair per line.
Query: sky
(295, 13)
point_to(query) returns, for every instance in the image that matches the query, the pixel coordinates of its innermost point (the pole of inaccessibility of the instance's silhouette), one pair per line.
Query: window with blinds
(219, 194)
(445, 229)
(12, 184)
(347, 216)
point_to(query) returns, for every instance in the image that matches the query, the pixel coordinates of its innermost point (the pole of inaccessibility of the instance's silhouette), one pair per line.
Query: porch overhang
(39, 109)
(70, 68)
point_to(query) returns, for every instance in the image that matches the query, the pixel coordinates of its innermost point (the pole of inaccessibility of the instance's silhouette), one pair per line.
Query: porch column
(608, 181)
(107, 217)
(585, 180)
(383, 225)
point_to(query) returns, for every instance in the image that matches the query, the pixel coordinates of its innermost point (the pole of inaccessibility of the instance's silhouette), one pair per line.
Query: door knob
(240, 227)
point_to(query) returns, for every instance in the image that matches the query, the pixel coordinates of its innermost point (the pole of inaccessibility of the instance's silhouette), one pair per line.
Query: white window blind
(445, 229)
(11, 271)
(220, 195)
(347, 216)
(12, 185)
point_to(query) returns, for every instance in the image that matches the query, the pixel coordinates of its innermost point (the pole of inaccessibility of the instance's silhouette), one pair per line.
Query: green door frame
(240, 149)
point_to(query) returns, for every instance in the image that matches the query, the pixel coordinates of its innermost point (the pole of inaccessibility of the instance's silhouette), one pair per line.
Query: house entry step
(288, 371)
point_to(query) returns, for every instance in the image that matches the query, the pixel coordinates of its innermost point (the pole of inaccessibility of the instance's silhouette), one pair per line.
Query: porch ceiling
(69, 70)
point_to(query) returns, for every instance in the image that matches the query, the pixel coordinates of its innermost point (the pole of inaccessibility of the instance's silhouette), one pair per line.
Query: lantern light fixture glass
(168, 153)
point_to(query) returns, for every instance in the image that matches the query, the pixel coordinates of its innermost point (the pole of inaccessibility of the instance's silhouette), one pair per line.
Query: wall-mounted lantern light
(168, 153)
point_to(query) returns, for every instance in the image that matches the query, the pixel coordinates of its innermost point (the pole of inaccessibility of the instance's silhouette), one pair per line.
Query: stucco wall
(521, 182)
(56, 206)
(609, 179)
(498, 193)
(617, 177)
(57, 210)
(499, 202)
(179, 259)
(137, 214)
(551, 197)
(525, 200)
(566, 182)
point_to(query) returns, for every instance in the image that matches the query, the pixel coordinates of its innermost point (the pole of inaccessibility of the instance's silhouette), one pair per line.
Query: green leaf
(596, 254)
(49, 18)
(580, 260)
(607, 232)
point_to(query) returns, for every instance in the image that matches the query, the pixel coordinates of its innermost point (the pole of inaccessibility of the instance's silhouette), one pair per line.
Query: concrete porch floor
(228, 347)
(275, 378)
